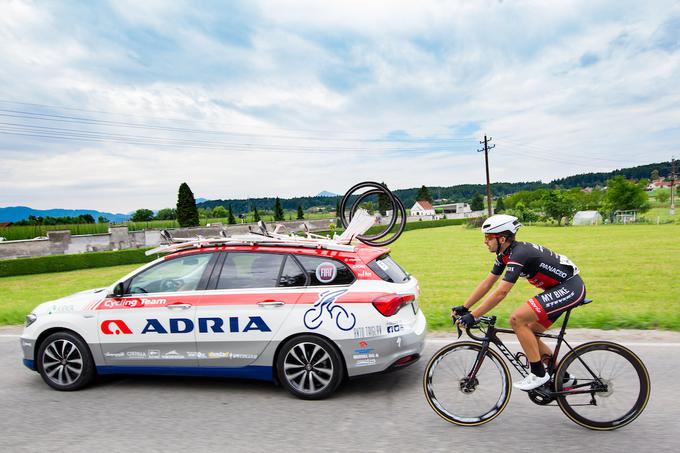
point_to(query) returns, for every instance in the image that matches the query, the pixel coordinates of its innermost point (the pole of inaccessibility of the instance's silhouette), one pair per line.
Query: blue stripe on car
(262, 373)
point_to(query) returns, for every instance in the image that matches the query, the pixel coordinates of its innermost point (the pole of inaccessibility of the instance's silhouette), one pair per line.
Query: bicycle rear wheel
(459, 399)
(617, 379)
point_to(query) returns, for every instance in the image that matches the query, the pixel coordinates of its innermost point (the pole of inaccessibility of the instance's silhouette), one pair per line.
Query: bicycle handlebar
(486, 320)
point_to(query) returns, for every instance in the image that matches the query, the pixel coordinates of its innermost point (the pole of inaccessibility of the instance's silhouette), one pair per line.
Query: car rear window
(388, 269)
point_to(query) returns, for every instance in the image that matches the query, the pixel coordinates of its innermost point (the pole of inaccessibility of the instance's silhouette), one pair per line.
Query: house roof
(424, 204)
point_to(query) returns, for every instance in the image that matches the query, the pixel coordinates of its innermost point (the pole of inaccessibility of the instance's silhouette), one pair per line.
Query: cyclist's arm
(494, 298)
(481, 290)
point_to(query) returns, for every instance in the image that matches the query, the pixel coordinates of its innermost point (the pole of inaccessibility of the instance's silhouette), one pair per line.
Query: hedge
(60, 263)
(418, 225)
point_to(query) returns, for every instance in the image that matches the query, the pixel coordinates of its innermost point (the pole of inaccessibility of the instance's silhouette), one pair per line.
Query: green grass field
(631, 272)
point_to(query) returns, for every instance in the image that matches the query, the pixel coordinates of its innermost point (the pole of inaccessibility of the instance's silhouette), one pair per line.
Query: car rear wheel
(65, 362)
(309, 367)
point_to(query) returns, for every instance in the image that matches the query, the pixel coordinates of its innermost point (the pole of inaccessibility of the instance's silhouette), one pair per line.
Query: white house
(422, 208)
(455, 208)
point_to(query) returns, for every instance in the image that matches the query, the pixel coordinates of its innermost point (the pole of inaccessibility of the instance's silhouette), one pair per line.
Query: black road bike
(599, 385)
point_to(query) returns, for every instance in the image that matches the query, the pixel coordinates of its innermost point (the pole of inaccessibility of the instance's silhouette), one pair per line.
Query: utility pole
(486, 159)
(672, 187)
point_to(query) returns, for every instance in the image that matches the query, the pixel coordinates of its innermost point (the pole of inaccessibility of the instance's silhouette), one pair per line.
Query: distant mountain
(15, 213)
(201, 200)
(325, 193)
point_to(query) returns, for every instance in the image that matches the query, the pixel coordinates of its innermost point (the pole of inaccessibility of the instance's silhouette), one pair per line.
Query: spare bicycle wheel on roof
(379, 201)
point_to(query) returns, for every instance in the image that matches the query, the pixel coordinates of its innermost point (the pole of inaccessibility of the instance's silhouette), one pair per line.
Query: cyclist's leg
(521, 319)
(543, 348)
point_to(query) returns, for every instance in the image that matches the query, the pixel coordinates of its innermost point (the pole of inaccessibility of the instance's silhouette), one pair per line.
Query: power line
(68, 118)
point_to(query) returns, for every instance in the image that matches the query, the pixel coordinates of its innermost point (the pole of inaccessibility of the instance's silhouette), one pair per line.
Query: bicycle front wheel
(613, 384)
(457, 396)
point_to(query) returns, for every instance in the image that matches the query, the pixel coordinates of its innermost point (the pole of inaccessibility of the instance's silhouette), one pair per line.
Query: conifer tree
(187, 213)
(278, 211)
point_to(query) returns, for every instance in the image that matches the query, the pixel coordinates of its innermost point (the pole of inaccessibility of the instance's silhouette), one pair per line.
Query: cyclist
(555, 274)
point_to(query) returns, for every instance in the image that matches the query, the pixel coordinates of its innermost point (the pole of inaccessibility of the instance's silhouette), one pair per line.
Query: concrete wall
(60, 242)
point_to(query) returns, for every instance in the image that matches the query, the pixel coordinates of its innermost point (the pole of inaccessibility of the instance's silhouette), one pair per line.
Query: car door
(253, 294)
(153, 323)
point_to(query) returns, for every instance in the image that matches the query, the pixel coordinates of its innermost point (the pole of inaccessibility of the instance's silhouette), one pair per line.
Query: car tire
(309, 367)
(64, 361)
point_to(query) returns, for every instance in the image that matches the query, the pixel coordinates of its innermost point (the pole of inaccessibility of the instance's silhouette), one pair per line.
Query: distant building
(658, 184)
(455, 208)
(422, 208)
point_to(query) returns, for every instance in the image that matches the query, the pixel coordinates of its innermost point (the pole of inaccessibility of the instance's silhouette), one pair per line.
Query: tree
(625, 195)
(102, 219)
(337, 207)
(655, 175)
(424, 194)
(187, 214)
(557, 205)
(278, 211)
(219, 212)
(663, 195)
(300, 213)
(384, 202)
(477, 203)
(142, 215)
(500, 205)
(256, 215)
(166, 214)
(231, 220)
(86, 218)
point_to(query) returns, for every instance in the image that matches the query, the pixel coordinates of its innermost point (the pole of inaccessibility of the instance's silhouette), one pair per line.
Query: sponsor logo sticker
(368, 331)
(326, 272)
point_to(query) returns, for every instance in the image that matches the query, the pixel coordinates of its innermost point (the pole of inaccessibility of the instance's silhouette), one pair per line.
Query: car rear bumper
(387, 352)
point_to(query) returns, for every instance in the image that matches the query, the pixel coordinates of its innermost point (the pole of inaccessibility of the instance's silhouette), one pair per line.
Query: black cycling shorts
(551, 303)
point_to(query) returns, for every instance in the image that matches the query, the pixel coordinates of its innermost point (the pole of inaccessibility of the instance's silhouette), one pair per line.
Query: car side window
(292, 274)
(325, 271)
(177, 274)
(250, 270)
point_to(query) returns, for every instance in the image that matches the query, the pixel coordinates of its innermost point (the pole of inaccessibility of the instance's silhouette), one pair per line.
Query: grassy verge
(19, 295)
(631, 271)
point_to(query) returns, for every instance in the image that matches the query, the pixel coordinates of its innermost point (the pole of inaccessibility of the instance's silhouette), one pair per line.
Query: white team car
(304, 317)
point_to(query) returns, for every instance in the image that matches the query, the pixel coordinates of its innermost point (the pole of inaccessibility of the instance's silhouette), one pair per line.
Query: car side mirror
(118, 290)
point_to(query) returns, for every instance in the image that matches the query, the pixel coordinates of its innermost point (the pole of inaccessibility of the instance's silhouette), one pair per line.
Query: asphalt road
(379, 413)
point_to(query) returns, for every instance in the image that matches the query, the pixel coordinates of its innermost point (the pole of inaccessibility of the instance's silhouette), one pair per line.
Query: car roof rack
(361, 222)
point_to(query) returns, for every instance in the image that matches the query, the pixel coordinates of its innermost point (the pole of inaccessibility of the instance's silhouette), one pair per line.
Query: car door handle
(180, 306)
(271, 303)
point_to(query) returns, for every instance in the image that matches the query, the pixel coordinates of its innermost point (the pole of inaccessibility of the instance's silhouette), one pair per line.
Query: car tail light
(390, 304)
(403, 360)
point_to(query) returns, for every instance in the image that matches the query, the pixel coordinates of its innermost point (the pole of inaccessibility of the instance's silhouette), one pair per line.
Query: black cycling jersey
(543, 268)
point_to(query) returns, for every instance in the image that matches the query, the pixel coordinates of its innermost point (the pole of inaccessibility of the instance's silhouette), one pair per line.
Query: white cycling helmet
(501, 223)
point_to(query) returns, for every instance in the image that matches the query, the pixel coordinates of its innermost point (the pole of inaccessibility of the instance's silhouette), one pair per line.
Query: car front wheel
(65, 362)
(309, 367)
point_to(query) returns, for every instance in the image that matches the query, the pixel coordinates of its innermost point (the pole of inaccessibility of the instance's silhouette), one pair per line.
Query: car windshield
(178, 274)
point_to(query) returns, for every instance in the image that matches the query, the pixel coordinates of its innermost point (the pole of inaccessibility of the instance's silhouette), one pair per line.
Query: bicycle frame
(492, 337)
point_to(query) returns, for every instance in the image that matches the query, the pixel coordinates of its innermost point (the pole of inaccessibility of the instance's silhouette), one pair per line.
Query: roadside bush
(60, 263)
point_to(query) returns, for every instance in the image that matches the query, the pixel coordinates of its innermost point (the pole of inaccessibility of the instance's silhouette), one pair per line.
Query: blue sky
(111, 105)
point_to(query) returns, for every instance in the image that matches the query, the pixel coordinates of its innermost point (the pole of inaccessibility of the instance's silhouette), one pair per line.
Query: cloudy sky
(111, 105)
